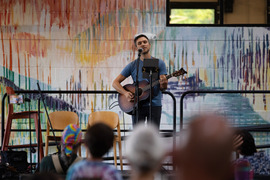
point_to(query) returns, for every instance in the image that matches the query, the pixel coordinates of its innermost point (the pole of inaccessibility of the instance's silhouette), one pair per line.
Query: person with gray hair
(145, 152)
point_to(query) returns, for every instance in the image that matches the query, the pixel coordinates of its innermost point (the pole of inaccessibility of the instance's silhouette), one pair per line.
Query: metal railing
(257, 128)
(76, 92)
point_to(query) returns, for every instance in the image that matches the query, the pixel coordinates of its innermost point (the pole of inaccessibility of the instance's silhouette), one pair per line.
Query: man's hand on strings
(129, 96)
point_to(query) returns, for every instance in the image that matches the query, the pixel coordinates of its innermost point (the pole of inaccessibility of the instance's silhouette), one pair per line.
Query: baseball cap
(148, 36)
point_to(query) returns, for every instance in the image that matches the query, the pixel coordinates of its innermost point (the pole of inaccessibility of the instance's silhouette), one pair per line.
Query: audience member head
(145, 149)
(247, 148)
(99, 139)
(205, 150)
(71, 139)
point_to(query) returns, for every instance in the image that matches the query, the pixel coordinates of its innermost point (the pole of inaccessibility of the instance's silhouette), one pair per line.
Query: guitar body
(144, 90)
(127, 106)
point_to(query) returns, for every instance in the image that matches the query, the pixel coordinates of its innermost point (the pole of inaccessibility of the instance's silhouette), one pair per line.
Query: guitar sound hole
(140, 92)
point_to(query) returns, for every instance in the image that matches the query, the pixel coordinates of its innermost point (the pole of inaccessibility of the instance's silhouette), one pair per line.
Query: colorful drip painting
(83, 45)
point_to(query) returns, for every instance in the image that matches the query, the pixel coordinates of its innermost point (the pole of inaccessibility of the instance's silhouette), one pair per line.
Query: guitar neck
(155, 83)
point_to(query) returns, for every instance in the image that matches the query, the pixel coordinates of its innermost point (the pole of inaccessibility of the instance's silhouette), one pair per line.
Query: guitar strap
(57, 165)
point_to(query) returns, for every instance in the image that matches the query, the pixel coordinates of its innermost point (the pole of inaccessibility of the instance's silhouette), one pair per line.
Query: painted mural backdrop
(83, 45)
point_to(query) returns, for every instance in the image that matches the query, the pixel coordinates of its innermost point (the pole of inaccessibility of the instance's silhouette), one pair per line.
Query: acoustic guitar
(143, 91)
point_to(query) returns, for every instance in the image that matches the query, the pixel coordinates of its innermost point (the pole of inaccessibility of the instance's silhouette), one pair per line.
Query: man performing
(142, 43)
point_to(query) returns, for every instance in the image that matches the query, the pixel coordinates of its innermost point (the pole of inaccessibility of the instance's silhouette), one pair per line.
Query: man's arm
(119, 88)
(163, 82)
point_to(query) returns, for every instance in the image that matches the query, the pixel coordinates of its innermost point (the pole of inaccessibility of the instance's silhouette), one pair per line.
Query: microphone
(140, 50)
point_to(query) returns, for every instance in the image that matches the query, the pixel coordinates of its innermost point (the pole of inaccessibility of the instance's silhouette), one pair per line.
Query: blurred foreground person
(205, 150)
(259, 161)
(145, 152)
(70, 143)
(98, 140)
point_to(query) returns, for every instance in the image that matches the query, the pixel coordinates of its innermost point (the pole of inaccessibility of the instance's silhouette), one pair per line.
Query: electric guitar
(144, 88)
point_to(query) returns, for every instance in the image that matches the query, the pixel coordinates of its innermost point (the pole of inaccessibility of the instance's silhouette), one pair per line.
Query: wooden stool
(21, 115)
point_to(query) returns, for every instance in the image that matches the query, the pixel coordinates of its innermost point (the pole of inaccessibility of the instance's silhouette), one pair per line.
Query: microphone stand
(41, 96)
(136, 104)
(38, 141)
(150, 94)
(150, 67)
